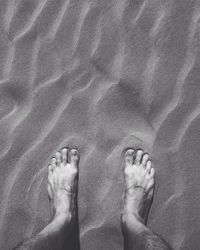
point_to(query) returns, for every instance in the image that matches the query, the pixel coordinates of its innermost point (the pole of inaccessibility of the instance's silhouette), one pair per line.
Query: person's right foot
(62, 183)
(138, 186)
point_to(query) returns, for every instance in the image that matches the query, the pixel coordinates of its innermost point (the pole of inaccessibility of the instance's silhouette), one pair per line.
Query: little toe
(49, 192)
(64, 155)
(74, 157)
(138, 156)
(148, 166)
(53, 163)
(152, 172)
(58, 158)
(50, 171)
(50, 174)
(129, 156)
(145, 159)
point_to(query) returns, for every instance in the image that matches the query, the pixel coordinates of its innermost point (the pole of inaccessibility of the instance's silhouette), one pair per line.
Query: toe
(49, 192)
(138, 156)
(53, 163)
(129, 157)
(64, 153)
(148, 166)
(50, 174)
(50, 171)
(145, 159)
(74, 157)
(152, 172)
(58, 158)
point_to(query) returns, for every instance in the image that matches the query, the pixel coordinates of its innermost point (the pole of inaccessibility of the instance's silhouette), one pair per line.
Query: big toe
(139, 156)
(74, 157)
(64, 155)
(129, 156)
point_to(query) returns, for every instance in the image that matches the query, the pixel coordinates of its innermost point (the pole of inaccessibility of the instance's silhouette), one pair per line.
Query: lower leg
(137, 200)
(137, 236)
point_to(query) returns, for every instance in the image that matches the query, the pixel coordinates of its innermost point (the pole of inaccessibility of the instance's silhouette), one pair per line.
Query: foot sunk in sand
(139, 185)
(62, 190)
(137, 199)
(62, 182)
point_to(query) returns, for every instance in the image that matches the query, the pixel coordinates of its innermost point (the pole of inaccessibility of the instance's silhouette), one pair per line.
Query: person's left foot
(138, 186)
(62, 183)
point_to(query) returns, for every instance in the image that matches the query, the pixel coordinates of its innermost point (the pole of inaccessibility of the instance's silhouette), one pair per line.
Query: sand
(101, 76)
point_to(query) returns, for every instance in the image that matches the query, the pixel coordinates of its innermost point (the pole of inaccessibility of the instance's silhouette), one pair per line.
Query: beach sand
(100, 76)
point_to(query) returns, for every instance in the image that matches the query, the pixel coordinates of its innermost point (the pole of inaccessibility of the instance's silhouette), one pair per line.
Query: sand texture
(100, 75)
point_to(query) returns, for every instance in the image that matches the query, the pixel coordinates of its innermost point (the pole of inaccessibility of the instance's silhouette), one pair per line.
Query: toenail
(74, 151)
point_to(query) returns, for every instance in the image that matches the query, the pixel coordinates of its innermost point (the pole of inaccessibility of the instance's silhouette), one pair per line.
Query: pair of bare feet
(138, 186)
(63, 189)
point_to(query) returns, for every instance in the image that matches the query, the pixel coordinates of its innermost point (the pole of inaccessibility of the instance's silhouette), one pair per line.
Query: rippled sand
(102, 76)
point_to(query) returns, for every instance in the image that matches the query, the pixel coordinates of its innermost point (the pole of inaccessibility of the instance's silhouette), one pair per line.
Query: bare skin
(139, 182)
(62, 190)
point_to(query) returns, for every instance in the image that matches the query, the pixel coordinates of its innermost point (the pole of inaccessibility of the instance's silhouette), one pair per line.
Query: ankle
(131, 220)
(63, 217)
(62, 204)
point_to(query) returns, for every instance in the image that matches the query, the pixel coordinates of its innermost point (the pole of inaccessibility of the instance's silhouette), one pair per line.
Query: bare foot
(138, 186)
(62, 183)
